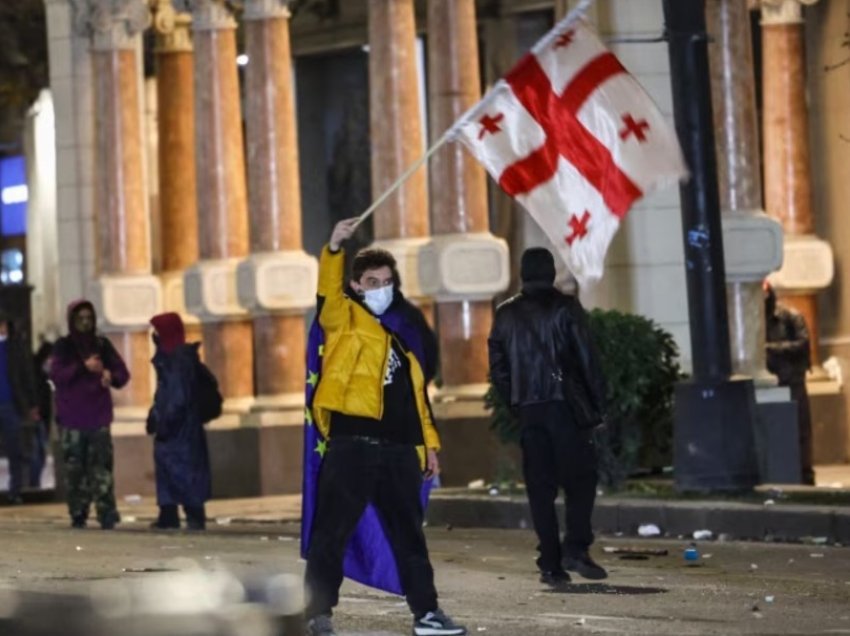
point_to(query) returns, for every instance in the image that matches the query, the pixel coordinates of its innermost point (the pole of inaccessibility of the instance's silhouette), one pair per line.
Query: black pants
(10, 429)
(556, 454)
(804, 421)
(356, 472)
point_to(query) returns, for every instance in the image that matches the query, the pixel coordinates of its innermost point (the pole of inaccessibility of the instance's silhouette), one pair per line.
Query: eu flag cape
(368, 556)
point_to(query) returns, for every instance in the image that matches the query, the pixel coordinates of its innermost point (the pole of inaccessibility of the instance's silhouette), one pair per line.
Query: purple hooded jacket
(82, 402)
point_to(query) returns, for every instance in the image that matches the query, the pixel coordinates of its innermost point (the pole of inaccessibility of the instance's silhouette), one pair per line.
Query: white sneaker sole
(439, 631)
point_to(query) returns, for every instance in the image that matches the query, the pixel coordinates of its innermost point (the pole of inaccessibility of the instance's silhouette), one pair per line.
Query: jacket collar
(537, 287)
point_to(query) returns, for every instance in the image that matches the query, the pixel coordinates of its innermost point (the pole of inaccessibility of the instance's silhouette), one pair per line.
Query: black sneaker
(554, 578)
(436, 623)
(320, 626)
(78, 522)
(585, 566)
(159, 524)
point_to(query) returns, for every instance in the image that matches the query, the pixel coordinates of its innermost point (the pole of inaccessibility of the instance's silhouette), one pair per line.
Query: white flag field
(575, 139)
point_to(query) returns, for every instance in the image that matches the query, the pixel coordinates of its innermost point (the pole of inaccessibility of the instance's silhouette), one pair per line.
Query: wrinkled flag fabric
(368, 556)
(575, 139)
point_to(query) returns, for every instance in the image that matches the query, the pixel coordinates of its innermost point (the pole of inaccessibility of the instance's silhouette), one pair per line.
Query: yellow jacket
(355, 356)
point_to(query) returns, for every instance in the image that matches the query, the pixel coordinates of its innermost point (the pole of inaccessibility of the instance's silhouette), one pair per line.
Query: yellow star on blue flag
(321, 350)
(312, 378)
(308, 415)
(321, 447)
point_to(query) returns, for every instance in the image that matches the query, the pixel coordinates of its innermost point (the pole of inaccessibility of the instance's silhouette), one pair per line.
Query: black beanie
(537, 266)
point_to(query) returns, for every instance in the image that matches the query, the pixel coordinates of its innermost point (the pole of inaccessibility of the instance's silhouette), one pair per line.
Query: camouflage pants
(88, 462)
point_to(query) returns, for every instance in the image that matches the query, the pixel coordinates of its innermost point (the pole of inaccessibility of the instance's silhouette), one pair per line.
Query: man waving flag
(572, 136)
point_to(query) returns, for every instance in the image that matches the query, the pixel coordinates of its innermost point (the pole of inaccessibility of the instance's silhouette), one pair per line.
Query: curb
(788, 523)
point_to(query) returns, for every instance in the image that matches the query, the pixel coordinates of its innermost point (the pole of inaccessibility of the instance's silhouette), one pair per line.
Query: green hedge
(641, 364)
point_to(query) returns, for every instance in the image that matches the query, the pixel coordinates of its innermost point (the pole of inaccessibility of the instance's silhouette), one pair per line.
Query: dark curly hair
(373, 258)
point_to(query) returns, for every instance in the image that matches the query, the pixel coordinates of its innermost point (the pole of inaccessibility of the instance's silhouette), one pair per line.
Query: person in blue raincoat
(177, 423)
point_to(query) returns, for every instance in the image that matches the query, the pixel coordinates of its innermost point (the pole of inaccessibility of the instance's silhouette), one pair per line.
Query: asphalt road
(486, 579)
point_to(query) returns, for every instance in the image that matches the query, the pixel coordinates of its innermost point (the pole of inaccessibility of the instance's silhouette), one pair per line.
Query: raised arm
(331, 302)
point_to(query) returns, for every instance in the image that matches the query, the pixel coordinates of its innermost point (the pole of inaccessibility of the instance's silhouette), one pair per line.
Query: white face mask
(378, 300)
(4, 337)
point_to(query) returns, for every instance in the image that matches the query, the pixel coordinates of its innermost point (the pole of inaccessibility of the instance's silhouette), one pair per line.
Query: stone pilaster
(210, 285)
(808, 264)
(178, 206)
(277, 283)
(752, 241)
(71, 86)
(459, 214)
(395, 113)
(124, 291)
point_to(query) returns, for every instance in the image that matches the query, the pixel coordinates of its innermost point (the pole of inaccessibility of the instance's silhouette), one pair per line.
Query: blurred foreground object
(180, 603)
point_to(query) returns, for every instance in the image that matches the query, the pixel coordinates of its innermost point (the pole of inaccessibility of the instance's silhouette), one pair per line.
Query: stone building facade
(204, 149)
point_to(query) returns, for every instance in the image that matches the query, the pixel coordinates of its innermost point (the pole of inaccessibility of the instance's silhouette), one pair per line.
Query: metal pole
(714, 416)
(701, 226)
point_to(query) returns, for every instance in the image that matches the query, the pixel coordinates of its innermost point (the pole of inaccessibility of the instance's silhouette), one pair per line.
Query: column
(396, 120)
(278, 282)
(396, 123)
(210, 285)
(808, 265)
(178, 217)
(469, 266)
(124, 292)
(752, 241)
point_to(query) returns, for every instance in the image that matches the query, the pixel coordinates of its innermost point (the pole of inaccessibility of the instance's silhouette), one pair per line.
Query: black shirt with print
(400, 422)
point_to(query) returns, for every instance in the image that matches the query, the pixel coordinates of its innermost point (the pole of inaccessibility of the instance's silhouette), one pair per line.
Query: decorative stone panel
(464, 267)
(752, 246)
(126, 300)
(277, 281)
(210, 290)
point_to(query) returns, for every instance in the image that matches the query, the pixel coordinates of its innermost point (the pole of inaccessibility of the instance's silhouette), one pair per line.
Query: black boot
(109, 520)
(168, 518)
(196, 517)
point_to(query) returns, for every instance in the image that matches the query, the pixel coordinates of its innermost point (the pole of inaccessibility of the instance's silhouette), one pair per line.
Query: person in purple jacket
(84, 367)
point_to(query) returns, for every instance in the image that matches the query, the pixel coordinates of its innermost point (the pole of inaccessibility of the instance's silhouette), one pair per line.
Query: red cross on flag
(573, 137)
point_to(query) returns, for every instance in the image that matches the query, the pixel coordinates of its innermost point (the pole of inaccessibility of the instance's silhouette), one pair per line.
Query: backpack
(207, 394)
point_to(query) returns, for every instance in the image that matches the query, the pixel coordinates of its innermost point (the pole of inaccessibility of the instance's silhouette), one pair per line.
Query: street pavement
(486, 577)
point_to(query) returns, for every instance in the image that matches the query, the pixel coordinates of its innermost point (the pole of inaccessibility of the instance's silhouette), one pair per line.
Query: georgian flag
(573, 137)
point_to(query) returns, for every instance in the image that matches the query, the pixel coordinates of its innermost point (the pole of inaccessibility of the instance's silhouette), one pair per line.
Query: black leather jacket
(541, 351)
(787, 346)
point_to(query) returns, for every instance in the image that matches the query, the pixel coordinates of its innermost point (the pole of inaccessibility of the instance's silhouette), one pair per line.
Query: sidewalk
(792, 513)
(623, 516)
(273, 510)
(773, 513)
(463, 508)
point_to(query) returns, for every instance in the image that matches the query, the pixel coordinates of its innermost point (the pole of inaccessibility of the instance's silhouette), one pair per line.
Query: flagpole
(404, 177)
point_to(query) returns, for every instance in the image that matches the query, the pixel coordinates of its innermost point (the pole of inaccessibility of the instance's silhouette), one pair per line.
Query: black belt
(365, 439)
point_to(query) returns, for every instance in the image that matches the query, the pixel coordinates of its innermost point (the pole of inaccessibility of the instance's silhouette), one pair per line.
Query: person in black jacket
(788, 358)
(176, 421)
(17, 400)
(543, 363)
